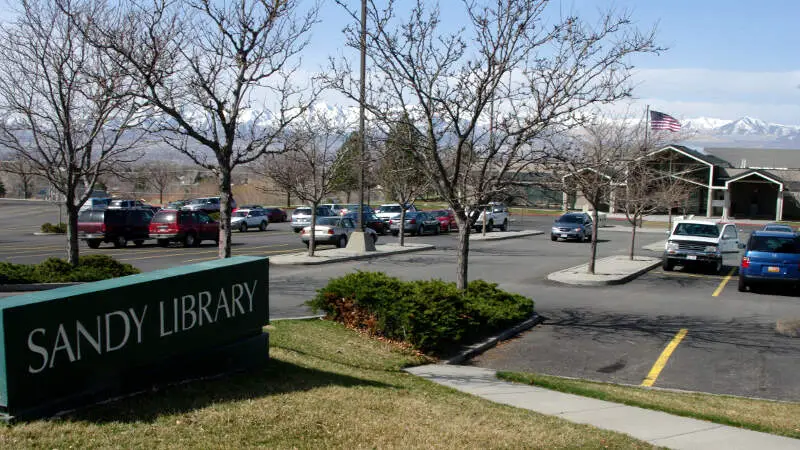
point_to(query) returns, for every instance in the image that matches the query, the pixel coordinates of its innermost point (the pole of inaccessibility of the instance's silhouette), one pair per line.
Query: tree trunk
(593, 251)
(72, 231)
(463, 250)
(289, 199)
(347, 197)
(485, 217)
(402, 226)
(312, 238)
(161, 197)
(670, 219)
(225, 209)
(633, 238)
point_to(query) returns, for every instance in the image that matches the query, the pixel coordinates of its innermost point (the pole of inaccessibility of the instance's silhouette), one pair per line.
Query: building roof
(757, 158)
(708, 159)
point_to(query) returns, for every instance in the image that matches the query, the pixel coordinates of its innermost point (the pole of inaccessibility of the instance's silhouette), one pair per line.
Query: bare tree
(540, 76)
(400, 174)
(160, 175)
(64, 108)
(308, 166)
(202, 65)
(24, 172)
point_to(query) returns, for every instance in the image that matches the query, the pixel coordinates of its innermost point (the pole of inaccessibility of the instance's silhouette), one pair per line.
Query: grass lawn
(325, 387)
(760, 415)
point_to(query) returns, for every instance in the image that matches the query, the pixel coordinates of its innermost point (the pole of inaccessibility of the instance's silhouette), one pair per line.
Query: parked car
(446, 218)
(495, 214)
(188, 227)
(117, 226)
(126, 203)
(335, 208)
(770, 257)
(391, 211)
(206, 204)
(334, 230)
(572, 226)
(244, 219)
(353, 208)
(778, 227)
(275, 214)
(416, 223)
(370, 221)
(177, 204)
(95, 203)
(301, 216)
(700, 242)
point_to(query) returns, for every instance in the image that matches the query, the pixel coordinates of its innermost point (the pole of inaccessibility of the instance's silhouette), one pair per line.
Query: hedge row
(55, 270)
(433, 316)
(48, 227)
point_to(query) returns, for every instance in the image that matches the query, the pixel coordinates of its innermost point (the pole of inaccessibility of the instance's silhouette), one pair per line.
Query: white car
(244, 219)
(495, 214)
(700, 242)
(391, 211)
(333, 230)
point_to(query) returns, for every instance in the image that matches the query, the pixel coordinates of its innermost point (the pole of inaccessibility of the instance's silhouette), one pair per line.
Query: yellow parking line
(723, 282)
(662, 360)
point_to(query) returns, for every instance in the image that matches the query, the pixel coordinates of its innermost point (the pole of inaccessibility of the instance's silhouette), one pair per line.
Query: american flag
(661, 121)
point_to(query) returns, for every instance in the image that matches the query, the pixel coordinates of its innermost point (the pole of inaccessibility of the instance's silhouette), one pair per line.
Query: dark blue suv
(770, 257)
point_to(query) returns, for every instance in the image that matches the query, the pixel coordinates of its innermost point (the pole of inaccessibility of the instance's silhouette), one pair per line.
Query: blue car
(576, 226)
(770, 257)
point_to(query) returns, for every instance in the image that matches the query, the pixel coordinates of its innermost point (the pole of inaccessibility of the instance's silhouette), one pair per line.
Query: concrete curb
(499, 236)
(623, 278)
(285, 260)
(624, 229)
(476, 349)
(33, 287)
(39, 233)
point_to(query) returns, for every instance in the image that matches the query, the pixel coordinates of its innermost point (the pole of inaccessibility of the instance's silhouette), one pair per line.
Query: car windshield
(164, 217)
(439, 213)
(696, 229)
(329, 221)
(390, 209)
(570, 218)
(302, 211)
(773, 244)
(240, 214)
(785, 228)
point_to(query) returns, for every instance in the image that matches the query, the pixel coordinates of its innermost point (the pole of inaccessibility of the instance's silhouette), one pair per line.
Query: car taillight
(330, 231)
(102, 228)
(391, 222)
(412, 221)
(745, 262)
(303, 231)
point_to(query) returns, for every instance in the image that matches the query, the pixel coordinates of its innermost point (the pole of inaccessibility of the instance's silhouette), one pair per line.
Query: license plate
(773, 269)
(162, 228)
(691, 257)
(564, 235)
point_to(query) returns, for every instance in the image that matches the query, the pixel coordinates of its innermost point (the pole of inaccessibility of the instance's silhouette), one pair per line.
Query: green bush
(433, 316)
(48, 227)
(55, 270)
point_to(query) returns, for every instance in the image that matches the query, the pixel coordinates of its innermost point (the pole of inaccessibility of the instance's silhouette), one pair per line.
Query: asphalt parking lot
(613, 333)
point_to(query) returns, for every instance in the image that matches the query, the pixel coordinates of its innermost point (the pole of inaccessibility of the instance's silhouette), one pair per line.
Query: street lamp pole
(361, 127)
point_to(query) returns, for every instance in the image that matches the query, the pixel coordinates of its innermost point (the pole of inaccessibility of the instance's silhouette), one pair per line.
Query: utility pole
(361, 128)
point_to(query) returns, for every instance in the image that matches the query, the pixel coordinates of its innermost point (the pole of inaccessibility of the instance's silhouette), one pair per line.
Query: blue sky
(726, 59)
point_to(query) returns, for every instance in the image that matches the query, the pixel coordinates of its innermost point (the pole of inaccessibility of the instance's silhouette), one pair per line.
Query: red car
(187, 227)
(446, 218)
(275, 215)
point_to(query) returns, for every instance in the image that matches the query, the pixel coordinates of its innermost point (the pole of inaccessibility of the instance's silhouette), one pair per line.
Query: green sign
(67, 346)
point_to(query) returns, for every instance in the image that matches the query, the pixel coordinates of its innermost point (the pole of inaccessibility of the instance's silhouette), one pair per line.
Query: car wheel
(420, 230)
(296, 230)
(742, 284)
(438, 230)
(395, 233)
(490, 225)
(190, 240)
(138, 242)
(243, 227)
(263, 226)
(342, 242)
(163, 242)
(553, 237)
(667, 265)
(504, 226)
(93, 244)
(120, 242)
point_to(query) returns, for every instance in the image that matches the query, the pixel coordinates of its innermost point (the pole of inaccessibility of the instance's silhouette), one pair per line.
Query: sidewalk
(627, 229)
(343, 254)
(616, 269)
(657, 428)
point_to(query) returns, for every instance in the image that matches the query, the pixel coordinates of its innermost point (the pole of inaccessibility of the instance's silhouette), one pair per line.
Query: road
(613, 333)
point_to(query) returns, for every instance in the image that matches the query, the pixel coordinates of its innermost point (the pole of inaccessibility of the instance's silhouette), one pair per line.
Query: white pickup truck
(700, 242)
(496, 215)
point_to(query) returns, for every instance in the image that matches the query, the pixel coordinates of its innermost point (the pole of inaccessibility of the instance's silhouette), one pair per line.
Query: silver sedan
(333, 231)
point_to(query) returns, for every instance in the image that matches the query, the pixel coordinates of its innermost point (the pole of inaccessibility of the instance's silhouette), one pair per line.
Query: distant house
(753, 183)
